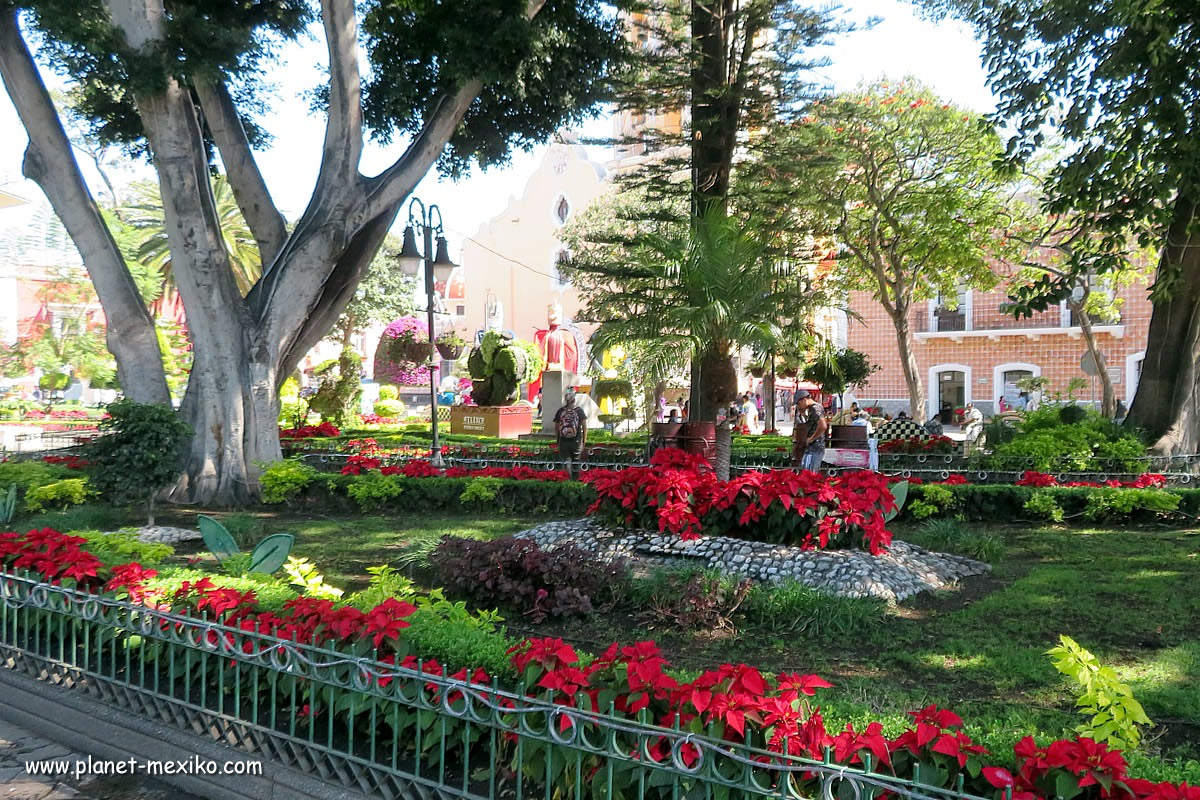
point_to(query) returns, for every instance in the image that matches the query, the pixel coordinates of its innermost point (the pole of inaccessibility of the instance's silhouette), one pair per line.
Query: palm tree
(144, 213)
(700, 293)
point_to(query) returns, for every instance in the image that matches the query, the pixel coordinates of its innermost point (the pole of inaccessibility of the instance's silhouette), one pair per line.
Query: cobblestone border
(905, 570)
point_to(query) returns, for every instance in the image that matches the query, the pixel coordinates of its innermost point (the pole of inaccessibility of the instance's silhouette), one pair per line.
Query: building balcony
(946, 321)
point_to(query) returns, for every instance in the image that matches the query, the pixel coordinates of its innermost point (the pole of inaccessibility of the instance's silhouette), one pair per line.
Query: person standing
(808, 434)
(750, 415)
(570, 426)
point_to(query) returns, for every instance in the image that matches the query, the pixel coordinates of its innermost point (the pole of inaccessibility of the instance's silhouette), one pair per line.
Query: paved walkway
(19, 747)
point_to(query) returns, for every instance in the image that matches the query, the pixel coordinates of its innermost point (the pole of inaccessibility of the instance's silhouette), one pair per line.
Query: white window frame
(1133, 376)
(998, 378)
(967, 306)
(934, 392)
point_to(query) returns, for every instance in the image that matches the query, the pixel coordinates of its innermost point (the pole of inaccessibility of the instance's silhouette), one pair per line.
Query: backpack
(569, 425)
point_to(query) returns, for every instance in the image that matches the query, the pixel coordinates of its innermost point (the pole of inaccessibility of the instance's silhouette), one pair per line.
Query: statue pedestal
(503, 422)
(554, 385)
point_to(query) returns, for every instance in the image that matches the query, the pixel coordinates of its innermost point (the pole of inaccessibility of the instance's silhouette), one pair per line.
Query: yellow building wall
(513, 255)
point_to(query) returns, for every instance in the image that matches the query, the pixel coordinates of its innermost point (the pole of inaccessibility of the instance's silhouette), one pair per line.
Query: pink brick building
(976, 353)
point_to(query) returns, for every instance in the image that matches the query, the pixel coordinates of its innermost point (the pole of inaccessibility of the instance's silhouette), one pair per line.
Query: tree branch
(49, 161)
(200, 261)
(241, 170)
(338, 290)
(344, 126)
(395, 183)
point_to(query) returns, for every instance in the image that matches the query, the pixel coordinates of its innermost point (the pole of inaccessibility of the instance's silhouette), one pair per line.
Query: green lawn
(1130, 596)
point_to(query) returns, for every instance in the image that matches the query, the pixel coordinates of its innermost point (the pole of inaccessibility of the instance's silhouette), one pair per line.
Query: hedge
(972, 502)
(1004, 502)
(424, 495)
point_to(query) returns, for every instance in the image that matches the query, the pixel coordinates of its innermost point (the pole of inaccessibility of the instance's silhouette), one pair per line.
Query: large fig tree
(180, 82)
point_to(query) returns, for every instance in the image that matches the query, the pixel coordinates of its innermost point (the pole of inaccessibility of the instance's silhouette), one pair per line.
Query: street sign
(1088, 365)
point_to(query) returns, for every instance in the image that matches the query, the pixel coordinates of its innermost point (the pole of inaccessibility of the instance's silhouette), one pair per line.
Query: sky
(943, 55)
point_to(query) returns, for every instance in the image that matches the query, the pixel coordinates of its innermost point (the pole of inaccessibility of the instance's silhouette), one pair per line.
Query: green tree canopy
(711, 288)
(904, 183)
(456, 81)
(1117, 80)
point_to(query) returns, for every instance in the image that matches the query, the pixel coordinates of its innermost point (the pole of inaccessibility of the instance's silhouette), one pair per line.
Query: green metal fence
(384, 730)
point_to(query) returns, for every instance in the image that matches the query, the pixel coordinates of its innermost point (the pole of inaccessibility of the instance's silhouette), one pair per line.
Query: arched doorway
(949, 387)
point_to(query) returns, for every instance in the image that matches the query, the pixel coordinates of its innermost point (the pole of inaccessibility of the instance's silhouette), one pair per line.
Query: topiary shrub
(391, 409)
(138, 454)
(339, 388)
(403, 354)
(498, 367)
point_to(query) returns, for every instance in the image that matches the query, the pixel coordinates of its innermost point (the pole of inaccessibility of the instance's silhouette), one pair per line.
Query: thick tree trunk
(712, 155)
(699, 408)
(233, 407)
(1108, 398)
(908, 363)
(1167, 405)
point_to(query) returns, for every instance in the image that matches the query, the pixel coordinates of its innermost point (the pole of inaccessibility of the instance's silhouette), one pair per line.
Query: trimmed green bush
(1071, 439)
(996, 502)
(390, 408)
(60, 494)
(139, 454)
(423, 495)
(283, 480)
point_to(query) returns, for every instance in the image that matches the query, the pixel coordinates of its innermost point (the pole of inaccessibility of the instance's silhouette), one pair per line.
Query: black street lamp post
(438, 266)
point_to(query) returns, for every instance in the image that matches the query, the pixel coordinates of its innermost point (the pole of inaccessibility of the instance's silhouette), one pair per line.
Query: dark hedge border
(423, 495)
(974, 502)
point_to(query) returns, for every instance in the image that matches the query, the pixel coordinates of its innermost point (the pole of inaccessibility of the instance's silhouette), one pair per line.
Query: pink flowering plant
(403, 353)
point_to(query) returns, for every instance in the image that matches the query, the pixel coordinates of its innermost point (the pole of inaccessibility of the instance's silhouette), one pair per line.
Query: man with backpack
(570, 426)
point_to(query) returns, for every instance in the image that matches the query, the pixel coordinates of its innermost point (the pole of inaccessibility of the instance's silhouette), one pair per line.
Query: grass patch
(953, 536)
(343, 548)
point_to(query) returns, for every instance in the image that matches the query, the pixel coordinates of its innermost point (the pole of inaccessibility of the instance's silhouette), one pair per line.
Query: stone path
(19, 747)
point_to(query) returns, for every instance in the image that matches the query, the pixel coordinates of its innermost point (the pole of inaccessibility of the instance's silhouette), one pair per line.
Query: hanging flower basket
(403, 355)
(758, 371)
(788, 372)
(410, 351)
(450, 345)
